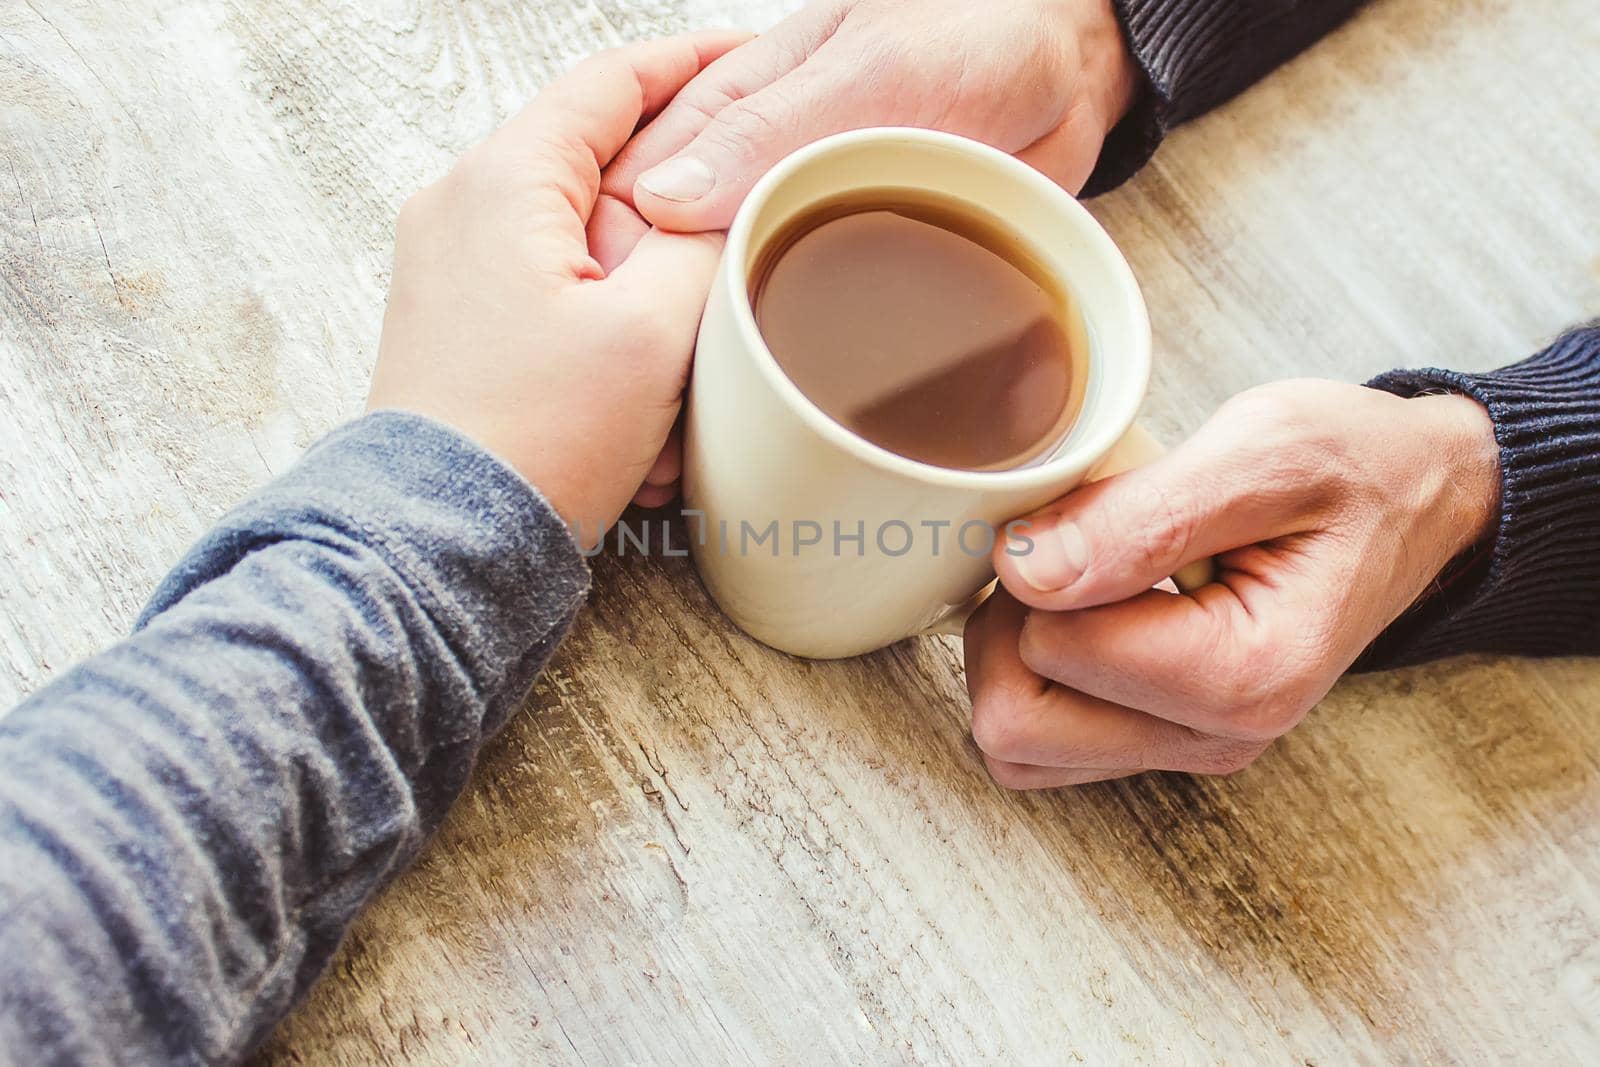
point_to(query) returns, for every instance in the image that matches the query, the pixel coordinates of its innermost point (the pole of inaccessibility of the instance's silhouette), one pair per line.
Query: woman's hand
(552, 324)
(1046, 79)
(1330, 508)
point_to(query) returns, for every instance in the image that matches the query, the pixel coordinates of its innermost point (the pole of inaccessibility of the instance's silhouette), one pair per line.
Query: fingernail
(1056, 560)
(682, 179)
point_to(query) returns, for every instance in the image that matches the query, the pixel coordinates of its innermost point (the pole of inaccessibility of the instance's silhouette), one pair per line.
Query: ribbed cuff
(1196, 54)
(1538, 590)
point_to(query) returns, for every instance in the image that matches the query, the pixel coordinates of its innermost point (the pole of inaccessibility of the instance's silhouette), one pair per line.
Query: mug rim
(1113, 417)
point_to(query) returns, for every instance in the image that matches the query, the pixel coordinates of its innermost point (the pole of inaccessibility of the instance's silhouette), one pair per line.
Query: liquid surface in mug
(921, 324)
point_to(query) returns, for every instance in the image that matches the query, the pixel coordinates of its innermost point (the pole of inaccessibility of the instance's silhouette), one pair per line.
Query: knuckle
(1287, 424)
(1255, 696)
(1265, 713)
(1274, 408)
(1286, 667)
(1000, 724)
(703, 110)
(744, 124)
(1164, 540)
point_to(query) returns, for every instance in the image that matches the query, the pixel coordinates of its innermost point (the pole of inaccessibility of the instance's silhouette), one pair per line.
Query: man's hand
(1330, 508)
(1046, 79)
(549, 323)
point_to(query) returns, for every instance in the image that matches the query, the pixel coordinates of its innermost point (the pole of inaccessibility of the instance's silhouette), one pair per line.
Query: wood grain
(695, 850)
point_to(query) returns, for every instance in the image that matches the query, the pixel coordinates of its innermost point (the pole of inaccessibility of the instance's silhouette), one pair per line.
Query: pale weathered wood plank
(695, 850)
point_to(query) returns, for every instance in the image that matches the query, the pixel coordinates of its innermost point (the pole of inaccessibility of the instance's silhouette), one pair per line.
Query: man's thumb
(1117, 538)
(702, 185)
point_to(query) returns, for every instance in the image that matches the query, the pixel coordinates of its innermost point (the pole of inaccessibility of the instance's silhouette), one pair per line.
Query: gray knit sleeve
(190, 820)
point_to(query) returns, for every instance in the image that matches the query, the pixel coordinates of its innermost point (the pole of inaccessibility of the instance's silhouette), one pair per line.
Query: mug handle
(1135, 449)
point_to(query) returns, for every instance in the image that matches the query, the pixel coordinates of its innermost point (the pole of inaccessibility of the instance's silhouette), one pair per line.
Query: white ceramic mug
(777, 491)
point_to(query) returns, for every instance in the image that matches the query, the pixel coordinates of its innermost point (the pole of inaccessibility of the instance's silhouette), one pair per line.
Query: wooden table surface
(694, 850)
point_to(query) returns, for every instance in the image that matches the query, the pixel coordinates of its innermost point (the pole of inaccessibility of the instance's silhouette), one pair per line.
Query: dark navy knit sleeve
(1196, 54)
(1535, 589)
(191, 819)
